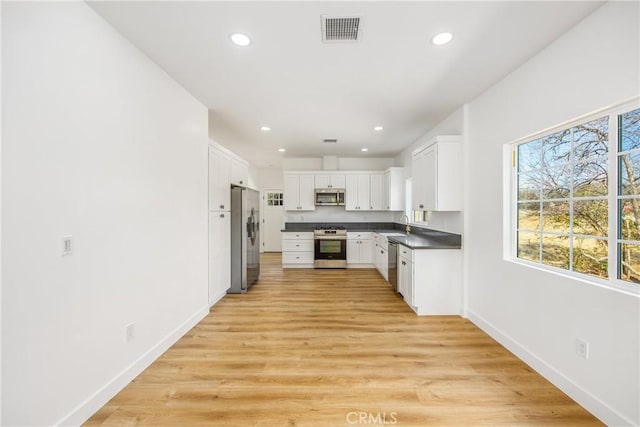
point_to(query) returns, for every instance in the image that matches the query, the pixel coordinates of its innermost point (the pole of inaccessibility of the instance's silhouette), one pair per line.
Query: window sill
(617, 285)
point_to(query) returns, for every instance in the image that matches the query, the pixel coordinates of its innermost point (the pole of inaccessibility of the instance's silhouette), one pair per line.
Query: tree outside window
(563, 198)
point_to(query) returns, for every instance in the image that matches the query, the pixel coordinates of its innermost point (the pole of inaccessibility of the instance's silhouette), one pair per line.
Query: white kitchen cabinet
(430, 280)
(376, 192)
(359, 248)
(405, 277)
(219, 255)
(393, 196)
(299, 192)
(219, 180)
(381, 253)
(380, 259)
(330, 181)
(297, 249)
(239, 172)
(436, 175)
(357, 195)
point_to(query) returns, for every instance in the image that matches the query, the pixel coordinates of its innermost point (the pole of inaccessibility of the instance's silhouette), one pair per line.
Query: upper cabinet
(219, 180)
(225, 169)
(239, 173)
(364, 191)
(393, 191)
(357, 196)
(437, 175)
(299, 192)
(376, 192)
(373, 191)
(330, 181)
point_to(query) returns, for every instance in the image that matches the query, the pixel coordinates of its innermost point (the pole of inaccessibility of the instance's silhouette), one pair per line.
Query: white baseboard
(217, 298)
(591, 403)
(86, 409)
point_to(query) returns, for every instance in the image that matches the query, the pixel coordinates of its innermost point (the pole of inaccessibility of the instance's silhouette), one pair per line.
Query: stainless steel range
(330, 247)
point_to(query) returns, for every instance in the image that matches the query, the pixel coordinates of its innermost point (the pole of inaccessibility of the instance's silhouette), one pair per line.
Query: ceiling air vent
(339, 29)
(330, 141)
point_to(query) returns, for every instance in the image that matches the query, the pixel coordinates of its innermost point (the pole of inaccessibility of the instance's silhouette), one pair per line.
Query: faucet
(407, 228)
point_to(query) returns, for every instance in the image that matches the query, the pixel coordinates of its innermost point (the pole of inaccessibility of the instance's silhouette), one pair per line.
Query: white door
(272, 220)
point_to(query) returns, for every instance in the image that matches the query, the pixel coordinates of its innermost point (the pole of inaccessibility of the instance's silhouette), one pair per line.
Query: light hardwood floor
(327, 347)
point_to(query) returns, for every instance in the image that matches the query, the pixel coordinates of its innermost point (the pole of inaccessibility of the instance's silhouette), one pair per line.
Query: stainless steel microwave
(329, 197)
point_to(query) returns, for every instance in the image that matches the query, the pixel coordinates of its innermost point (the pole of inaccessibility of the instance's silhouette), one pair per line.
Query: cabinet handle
(421, 206)
(240, 182)
(221, 215)
(297, 235)
(404, 263)
(381, 252)
(370, 207)
(221, 206)
(297, 257)
(297, 246)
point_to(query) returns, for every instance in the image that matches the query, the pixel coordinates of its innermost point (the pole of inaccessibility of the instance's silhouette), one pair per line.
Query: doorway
(272, 220)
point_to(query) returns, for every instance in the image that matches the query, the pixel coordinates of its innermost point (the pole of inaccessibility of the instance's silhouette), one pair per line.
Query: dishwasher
(392, 254)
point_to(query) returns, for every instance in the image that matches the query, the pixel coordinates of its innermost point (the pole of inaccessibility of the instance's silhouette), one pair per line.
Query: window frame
(511, 199)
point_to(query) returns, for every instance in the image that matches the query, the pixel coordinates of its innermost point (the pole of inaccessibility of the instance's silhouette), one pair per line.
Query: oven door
(330, 252)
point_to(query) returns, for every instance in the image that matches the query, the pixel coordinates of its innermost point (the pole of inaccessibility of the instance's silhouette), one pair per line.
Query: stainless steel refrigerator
(245, 239)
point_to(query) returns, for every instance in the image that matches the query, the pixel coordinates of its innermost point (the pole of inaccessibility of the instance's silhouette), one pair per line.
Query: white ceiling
(306, 90)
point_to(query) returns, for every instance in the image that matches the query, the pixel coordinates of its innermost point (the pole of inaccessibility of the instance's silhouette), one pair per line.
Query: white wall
(99, 143)
(364, 164)
(537, 314)
(344, 163)
(270, 179)
(1, 97)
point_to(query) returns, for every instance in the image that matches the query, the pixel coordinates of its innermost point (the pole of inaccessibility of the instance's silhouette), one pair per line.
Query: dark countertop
(437, 240)
(350, 226)
(419, 238)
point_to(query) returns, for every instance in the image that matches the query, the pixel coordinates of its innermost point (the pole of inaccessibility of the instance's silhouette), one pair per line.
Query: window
(419, 216)
(274, 199)
(566, 212)
(629, 196)
(414, 216)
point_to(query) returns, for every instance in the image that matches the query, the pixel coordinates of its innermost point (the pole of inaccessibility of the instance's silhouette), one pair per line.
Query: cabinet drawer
(297, 245)
(297, 257)
(297, 235)
(361, 235)
(405, 253)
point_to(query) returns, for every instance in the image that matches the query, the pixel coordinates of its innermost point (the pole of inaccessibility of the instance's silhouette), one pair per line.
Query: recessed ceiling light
(364, 149)
(240, 39)
(378, 128)
(442, 38)
(265, 128)
(282, 150)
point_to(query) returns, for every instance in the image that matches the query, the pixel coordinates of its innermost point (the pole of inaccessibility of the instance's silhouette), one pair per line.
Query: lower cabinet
(359, 249)
(405, 277)
(297, 249)
(430, 280)
(381, 261)
(219, 255)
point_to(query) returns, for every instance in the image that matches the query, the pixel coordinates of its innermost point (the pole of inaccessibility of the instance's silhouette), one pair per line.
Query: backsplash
(338, 214)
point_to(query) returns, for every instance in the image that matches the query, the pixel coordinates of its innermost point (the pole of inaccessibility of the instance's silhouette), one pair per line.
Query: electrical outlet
(66, 245)
(582, 348)
(130, 332)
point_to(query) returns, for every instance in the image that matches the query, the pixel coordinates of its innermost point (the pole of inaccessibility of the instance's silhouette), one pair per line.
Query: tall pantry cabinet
(224, 169)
